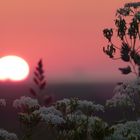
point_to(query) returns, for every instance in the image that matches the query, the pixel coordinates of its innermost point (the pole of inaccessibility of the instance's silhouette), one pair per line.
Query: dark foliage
(127, 24)
(108, 33)
(136, 57)
(110, 50)
(126, 70)
(121, 27)
(125, 50)
(40, 83)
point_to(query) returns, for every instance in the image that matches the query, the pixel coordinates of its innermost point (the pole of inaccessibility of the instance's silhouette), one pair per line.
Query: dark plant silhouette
(127, 30)
(40, 85)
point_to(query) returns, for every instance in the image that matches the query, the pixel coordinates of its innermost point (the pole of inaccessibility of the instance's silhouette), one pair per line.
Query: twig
(135, 72)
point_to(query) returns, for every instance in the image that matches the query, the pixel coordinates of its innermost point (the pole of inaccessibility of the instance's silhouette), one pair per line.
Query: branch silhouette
(127, 32)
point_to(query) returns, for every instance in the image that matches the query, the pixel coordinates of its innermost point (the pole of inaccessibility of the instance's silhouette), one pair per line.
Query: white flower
(50, 110)
(124, 94)
(95, 123)
(74, 105)
(120, 100)
(5, 135)
(91, 121)
(76, 118)
(98, 107)
(51, 116)
(135, 84)
(130, 129)
(26, 103)
(64, 105)
(64, 101)
(89, 105)
(2, 103)
(125, 88)
(52, 119)
(85, 103)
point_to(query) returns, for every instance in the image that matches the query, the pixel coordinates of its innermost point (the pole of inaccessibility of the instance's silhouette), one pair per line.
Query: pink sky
(67, 34)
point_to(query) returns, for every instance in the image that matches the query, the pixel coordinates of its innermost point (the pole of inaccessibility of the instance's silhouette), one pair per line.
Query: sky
(66, 34)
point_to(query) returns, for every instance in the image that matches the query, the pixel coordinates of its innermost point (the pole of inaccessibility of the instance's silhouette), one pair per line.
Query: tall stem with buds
(40, 83)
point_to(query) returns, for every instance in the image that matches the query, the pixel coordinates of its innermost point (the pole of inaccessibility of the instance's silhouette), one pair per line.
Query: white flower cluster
(95, 124)
(125, 88)
(135, 84)
(26, 103)
(92, 122)
(2, 103)
(89, 105)
(5, 135)
(51, 116)
(82, 105)
(120, 100)
(128, 131)
(124, 94)
(64, 101)
(77, 119)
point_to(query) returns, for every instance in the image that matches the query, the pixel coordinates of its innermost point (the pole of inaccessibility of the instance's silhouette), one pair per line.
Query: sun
(13, 68)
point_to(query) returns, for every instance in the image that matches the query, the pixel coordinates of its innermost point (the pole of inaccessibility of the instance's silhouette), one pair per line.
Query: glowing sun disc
(13, 68)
